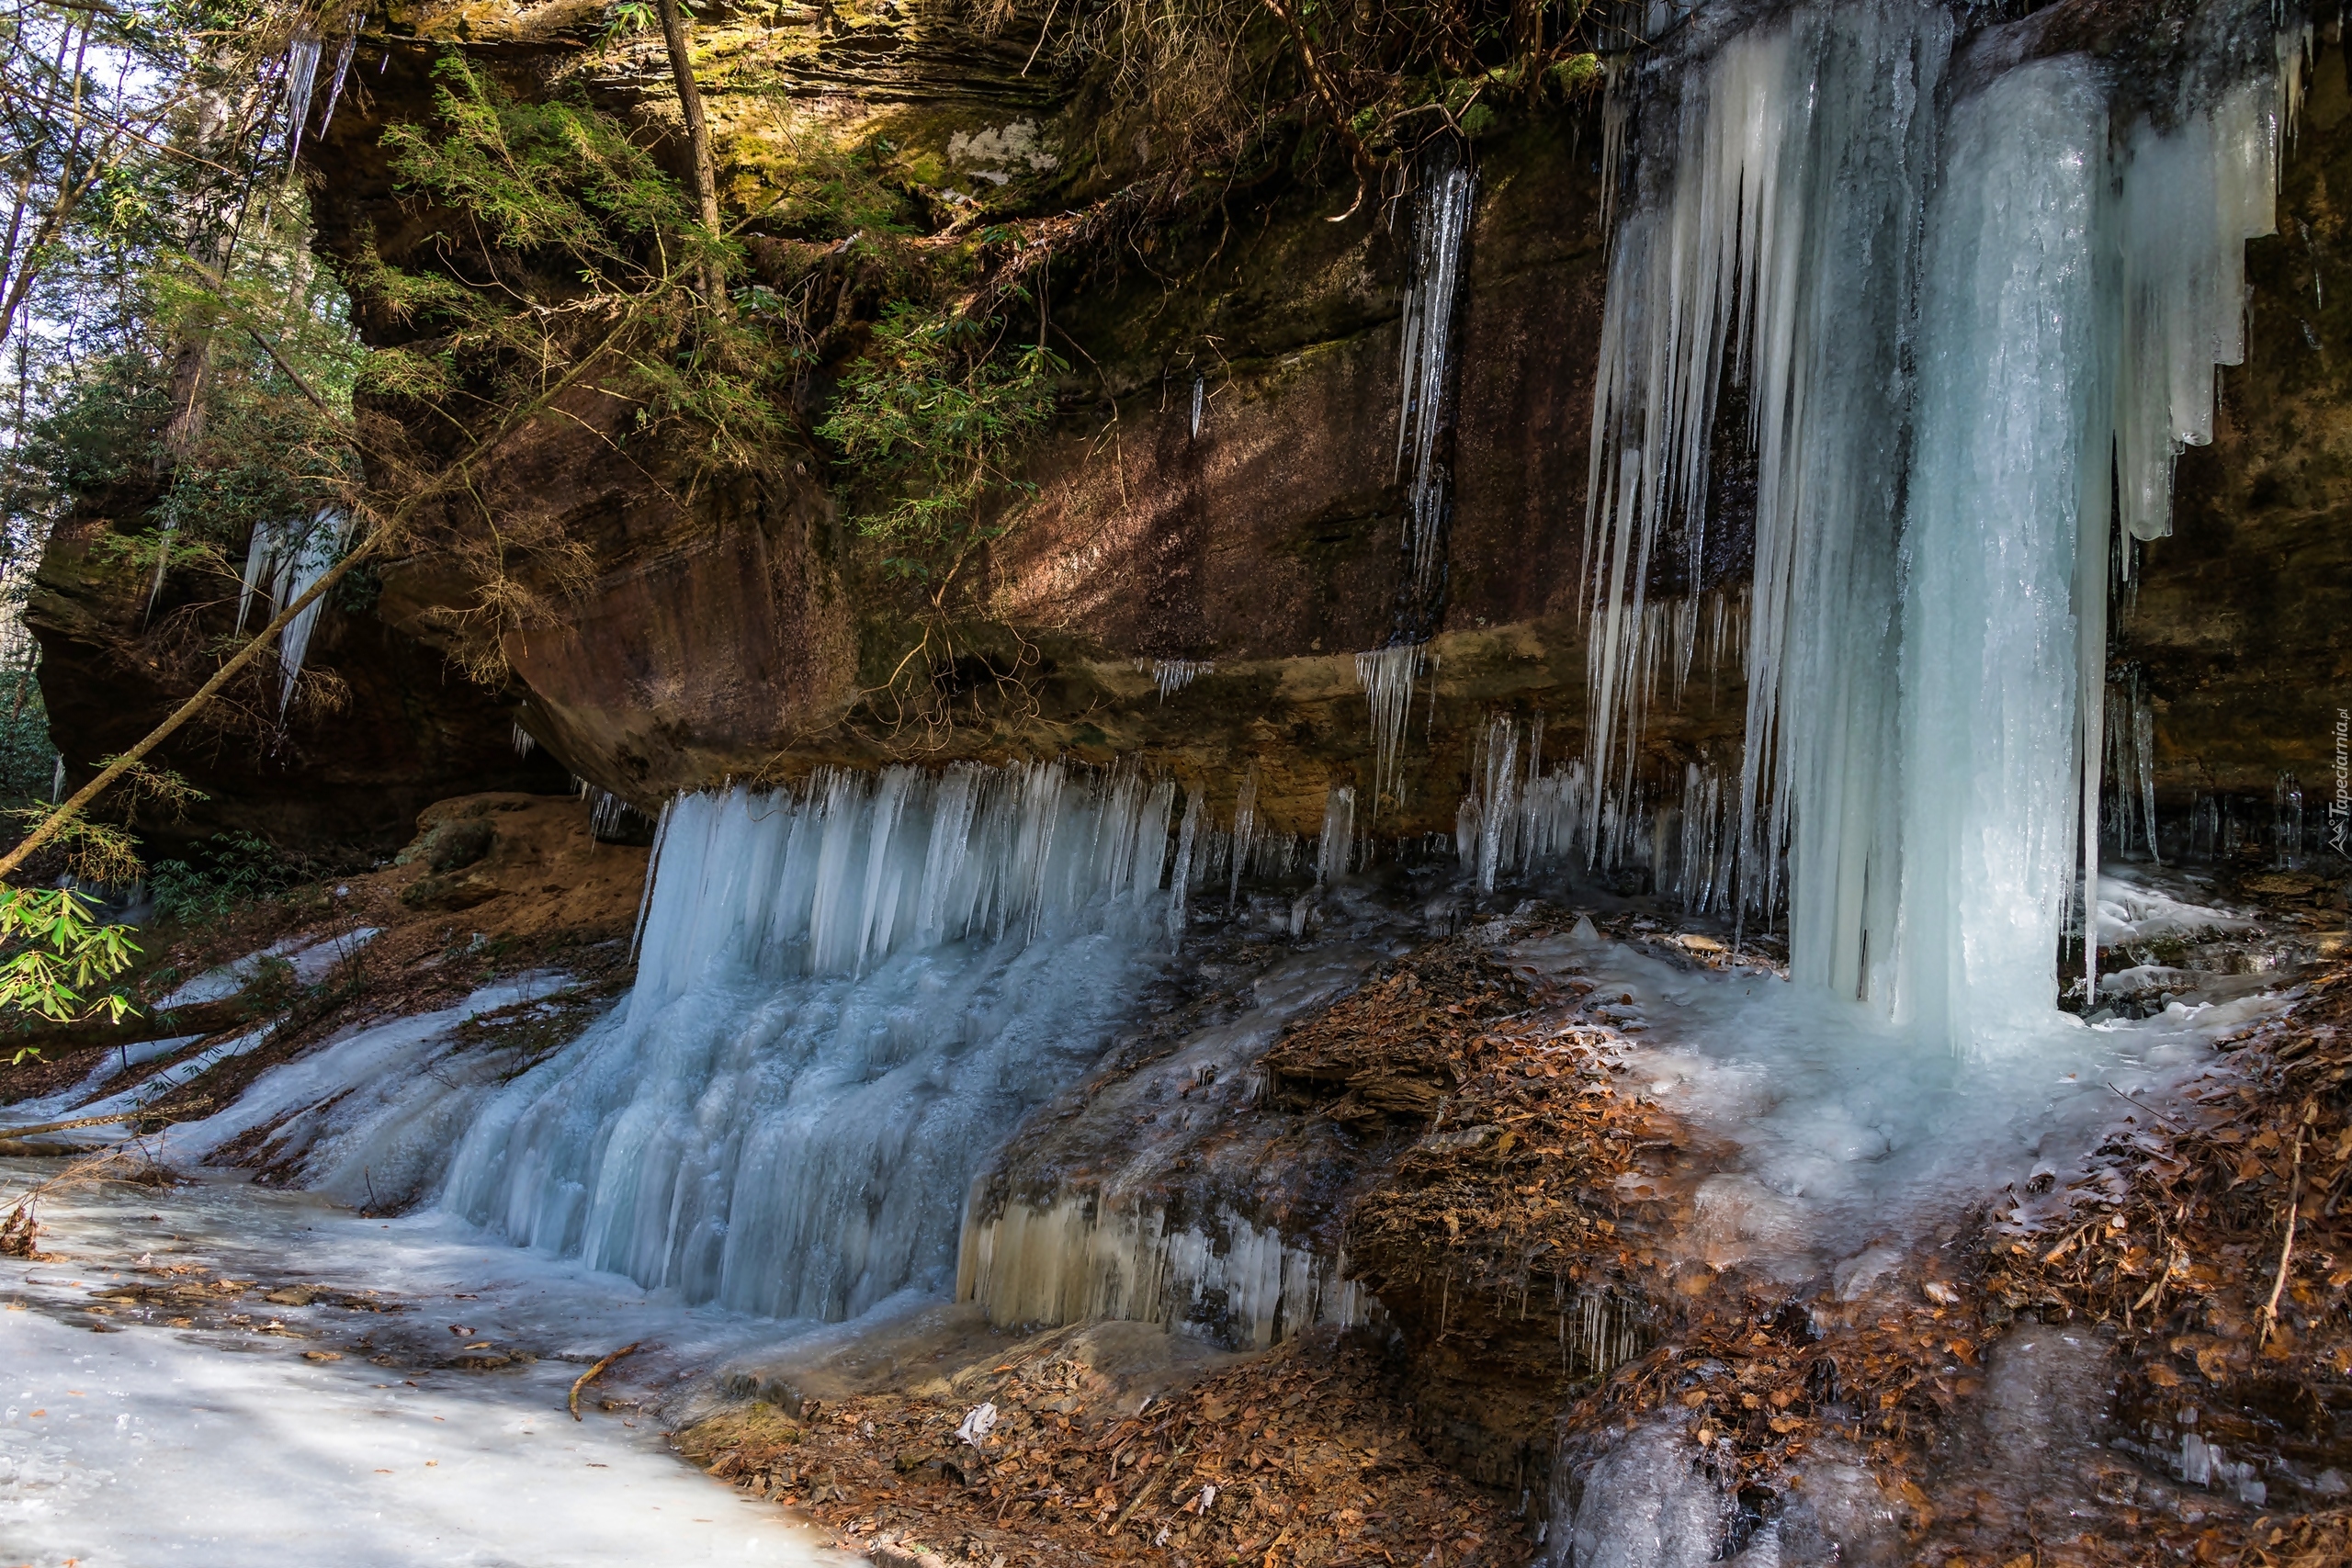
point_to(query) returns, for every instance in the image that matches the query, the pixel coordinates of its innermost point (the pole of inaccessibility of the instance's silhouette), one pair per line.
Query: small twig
(2150, 1110)
(584, 1379)
(2287, 1251)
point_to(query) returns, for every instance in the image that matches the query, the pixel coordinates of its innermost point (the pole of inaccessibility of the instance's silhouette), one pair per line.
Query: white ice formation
(1386, 676)
(1079, 1259)
(1958, 292)
(283, 561)
(847, 995)
(302, 76)
(1441, 225)
(1173, 675)
(1518, 818)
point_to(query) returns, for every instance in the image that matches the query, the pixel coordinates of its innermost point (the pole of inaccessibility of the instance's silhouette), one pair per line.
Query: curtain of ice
(847, 995)
(1934, 430)
(1775, 228)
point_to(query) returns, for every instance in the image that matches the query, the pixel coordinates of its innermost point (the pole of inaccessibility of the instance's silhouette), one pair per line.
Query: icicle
(2287, 822)
(652, 868)
(1200, 400)
(260, 555)
(1386, 676)
(298, 564)
(1180, 879)
(1333, 851)
(1245, 828)
(1173, 675)
(524, 742)
(1441, 225)
(302, 74)
(341, 68)
(2192, 195)
(604, 810)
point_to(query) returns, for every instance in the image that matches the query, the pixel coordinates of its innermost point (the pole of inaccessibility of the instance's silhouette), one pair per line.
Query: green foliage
(219, 876)
(28, 759)
(53, 952)
(102, 853)
(926, 418)
(558, 178)
(630, 17)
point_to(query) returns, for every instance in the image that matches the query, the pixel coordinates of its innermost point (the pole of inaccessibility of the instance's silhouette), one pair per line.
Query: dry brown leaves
(1297, 1456)
(2182, 1243)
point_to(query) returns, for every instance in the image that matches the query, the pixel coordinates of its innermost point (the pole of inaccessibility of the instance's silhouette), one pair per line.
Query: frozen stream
(179, 1429)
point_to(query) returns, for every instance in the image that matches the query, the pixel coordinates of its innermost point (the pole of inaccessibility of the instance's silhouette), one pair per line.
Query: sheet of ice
(369, 1117)
(65, 1102)
(312, 959)
(1852, 1135)
(154, 1086)
(151, 1445)
(2140, 906)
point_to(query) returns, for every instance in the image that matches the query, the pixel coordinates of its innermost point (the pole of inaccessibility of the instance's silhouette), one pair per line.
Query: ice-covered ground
(124, 1441)
(1852, 1134)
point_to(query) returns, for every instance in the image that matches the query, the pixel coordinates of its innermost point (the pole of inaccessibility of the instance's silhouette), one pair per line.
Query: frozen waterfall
(1956, 291)
(847, 996)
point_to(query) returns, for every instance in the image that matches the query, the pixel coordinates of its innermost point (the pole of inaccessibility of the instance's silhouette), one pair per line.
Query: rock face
(739, 629)
(740, 632)
(2236, 619)
(408, 732)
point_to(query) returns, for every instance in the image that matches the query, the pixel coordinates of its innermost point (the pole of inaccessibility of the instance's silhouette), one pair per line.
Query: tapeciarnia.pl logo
(2339, 810)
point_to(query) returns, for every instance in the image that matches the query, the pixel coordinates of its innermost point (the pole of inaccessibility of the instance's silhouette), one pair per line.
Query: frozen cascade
(1748, 235)
(846, 996)
(1809, 218)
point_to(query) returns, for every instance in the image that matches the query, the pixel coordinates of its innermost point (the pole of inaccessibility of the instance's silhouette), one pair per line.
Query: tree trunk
(674, 32)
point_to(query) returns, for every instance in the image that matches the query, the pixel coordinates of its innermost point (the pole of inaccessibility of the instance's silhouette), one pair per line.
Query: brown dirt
(1302, 1455)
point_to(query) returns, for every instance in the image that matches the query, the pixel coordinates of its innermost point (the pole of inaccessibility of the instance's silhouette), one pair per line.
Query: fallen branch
(133, 1114)
(592, 1373)
(2294, 1201)
(56, 819)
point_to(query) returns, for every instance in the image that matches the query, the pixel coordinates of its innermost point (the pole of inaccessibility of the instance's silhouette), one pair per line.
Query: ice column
(2009, 466)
